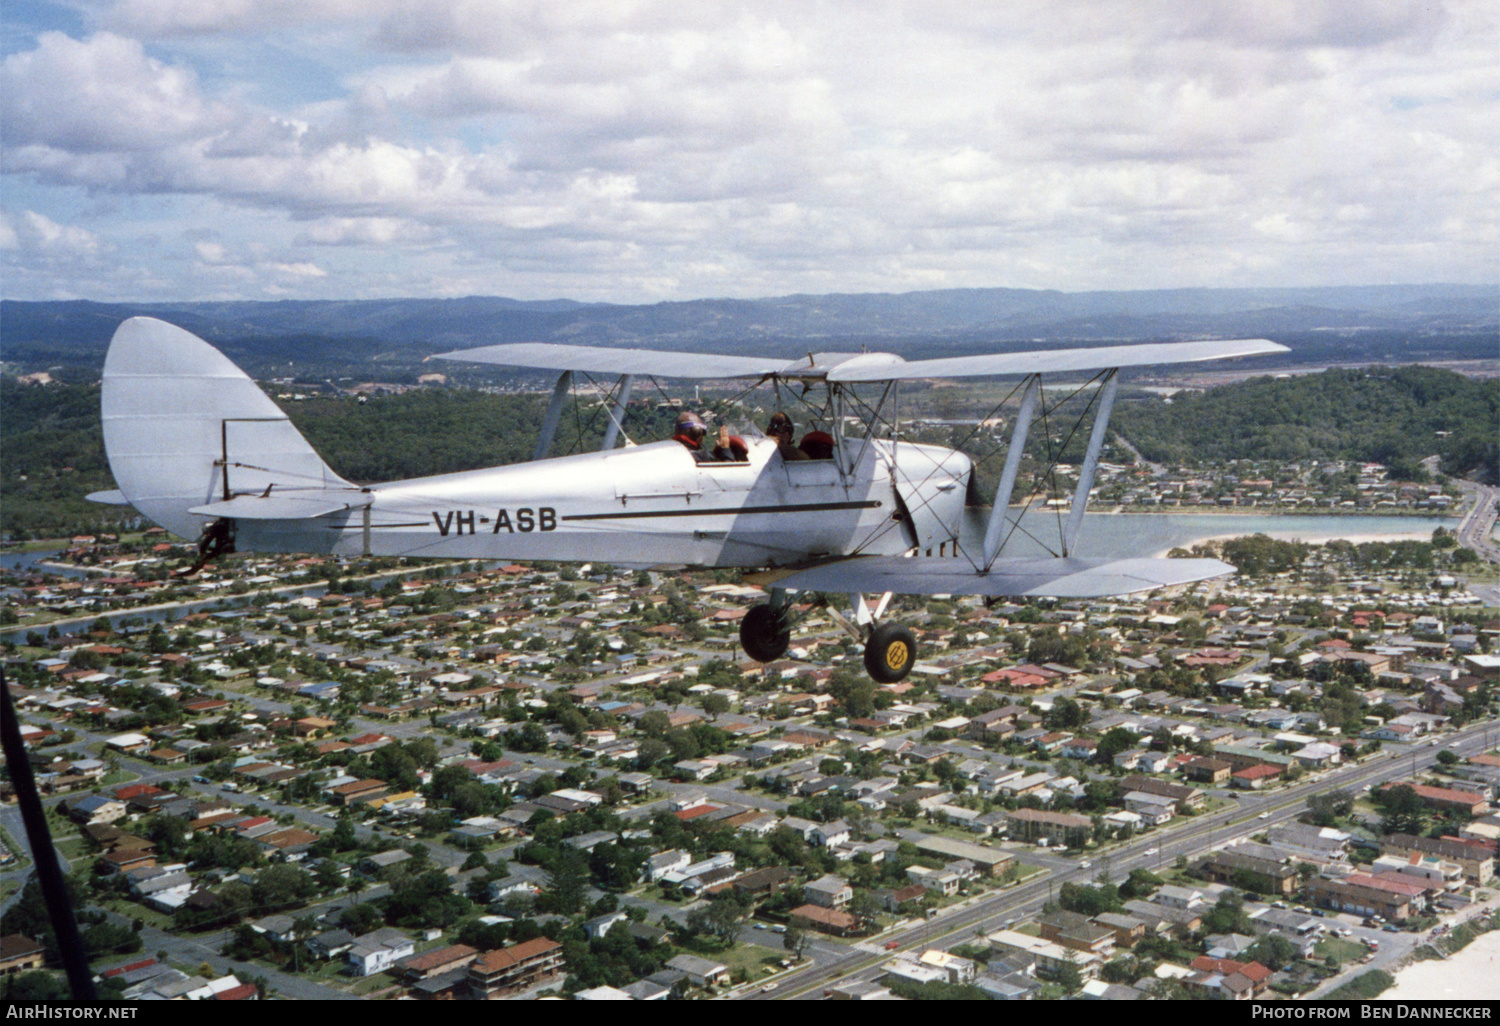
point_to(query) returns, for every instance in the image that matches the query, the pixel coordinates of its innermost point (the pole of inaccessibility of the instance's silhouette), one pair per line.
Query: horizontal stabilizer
(1019, 578)
(285, 507)
(113, 497)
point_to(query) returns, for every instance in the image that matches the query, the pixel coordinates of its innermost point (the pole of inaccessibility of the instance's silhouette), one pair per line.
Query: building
(1476, 860)
(701, 971)
(437, 962)
(989, 861)
(1447, 799)
(498, 974)
(828, 891)
(1365, 901)
(1072, 930)
(20, 954)
(1050, 958)
(377, 951)
(1263, 876)
(1058, 828)
(824, 920)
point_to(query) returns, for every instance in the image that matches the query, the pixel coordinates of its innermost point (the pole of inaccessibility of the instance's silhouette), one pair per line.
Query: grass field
(1363, 987)
(1345, 951)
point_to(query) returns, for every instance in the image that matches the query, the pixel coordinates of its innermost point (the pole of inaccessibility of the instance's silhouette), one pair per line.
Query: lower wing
(1020, 578)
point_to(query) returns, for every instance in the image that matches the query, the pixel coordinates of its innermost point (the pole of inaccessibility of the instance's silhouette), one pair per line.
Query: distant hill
(1395, 416)
(1401, 324)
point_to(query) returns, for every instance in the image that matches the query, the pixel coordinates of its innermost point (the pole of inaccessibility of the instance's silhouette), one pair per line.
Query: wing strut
(554, 411)
(996, 527)
(617, 412)
(1091, 460)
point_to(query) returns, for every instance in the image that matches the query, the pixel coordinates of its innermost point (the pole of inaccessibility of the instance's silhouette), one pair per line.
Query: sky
(637, 151)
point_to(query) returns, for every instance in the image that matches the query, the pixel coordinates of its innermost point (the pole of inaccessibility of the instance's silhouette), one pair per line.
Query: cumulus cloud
(35, 235)
(102, 95)
(644, 149)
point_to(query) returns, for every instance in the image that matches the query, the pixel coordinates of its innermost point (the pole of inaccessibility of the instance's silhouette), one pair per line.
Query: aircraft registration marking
(460, 522)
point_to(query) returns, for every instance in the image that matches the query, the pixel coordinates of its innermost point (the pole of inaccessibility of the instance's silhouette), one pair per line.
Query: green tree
(719, 919)
(795, 942)
(567, 876)
(1274, 952)
(1326, 808)
(1403, 810)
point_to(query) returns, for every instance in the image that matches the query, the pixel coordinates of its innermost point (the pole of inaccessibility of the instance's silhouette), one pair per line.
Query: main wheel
(763, 634)
(890, 653)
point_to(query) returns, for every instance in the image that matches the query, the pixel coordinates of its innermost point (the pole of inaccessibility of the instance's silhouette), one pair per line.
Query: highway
(1187, 837)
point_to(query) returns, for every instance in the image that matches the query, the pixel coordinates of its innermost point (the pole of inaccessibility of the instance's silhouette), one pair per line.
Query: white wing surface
(1054, 361)
(1019, 578)
(852, 367)
(654, 362)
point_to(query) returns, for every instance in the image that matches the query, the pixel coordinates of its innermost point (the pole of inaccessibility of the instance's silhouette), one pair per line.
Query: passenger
(818, 445)
(780, 430)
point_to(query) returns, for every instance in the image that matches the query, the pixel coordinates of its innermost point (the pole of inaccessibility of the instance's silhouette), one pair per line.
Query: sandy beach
(1317, 537)
(1471, 975)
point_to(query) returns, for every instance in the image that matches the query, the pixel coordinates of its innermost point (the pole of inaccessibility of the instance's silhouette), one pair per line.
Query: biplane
(198, 448)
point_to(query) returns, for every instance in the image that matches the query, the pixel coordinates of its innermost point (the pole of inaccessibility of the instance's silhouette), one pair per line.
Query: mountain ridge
(1463, 319)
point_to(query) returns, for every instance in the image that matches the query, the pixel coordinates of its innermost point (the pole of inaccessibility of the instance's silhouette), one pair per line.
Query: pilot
(689, 431)
(781, 430)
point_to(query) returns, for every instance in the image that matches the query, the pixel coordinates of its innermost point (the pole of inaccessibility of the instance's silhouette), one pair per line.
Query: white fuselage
(653, 504)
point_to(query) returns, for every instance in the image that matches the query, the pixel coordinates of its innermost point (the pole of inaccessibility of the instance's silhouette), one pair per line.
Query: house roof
(506, 958)
(826, 916)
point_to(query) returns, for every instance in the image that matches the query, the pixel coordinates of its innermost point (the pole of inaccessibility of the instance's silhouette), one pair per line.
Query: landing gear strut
(764, 633)
(890, 653)
(216, 540)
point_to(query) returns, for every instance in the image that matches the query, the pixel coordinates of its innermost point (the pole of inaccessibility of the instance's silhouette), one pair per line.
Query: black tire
(890, 653)
(763, 634)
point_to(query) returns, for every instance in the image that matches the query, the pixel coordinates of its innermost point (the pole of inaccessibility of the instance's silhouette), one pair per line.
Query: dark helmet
(780, 424)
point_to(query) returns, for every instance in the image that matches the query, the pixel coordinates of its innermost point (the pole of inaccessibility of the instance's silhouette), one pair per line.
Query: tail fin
(184, 427)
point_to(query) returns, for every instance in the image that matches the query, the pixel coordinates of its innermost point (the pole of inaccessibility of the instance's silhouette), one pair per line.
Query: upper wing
(1020, 578)
(654, 362)
(852, 367)
(1052, 361)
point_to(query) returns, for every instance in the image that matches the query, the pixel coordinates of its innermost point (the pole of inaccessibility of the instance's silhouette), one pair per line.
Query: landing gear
(216, 540)
(890, 653)
(764, 634)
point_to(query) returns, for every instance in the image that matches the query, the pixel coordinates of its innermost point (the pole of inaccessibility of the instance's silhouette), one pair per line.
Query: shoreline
(1470, 974)
(1269, 511)
(1318, 538)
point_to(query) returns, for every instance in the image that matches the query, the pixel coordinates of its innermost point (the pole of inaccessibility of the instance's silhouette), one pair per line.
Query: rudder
(184, 427)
